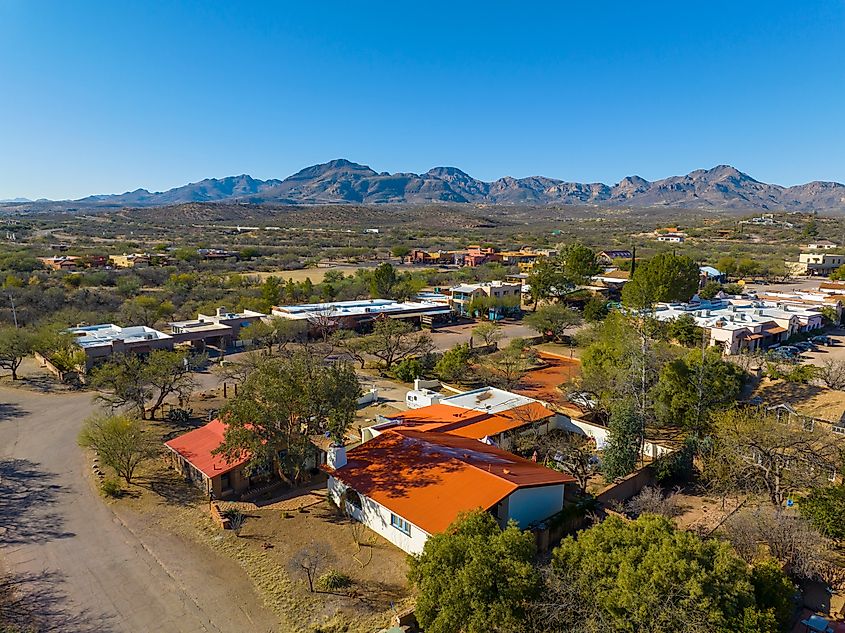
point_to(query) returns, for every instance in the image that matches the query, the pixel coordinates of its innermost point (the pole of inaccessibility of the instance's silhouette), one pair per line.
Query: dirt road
(104, 571)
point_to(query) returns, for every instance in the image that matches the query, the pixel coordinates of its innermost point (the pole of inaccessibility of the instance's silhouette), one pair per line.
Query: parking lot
(822, 353)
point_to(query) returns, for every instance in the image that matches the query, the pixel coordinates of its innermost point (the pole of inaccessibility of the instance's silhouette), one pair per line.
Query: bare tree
(755, 452)
(393, 341)
(651, 500)
(309, 560)
(572, 453)
(488, 331)
(832, 374)
(787, 537)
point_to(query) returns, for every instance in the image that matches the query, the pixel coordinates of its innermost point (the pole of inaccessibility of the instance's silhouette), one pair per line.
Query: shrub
(824, 508)
(408, 369)
(333, 580)
(110, 487)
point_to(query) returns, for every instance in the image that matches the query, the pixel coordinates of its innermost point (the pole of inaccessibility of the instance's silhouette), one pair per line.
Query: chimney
(336, 457)
(220, 311)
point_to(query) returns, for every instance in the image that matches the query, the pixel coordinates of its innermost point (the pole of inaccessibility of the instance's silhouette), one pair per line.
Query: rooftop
(488, 400)
(359, 308)
(429, 478)
(196, 446)
(107, 333)
(471, 423)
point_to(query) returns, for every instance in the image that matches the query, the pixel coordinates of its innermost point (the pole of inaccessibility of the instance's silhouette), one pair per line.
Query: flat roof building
(101, 341)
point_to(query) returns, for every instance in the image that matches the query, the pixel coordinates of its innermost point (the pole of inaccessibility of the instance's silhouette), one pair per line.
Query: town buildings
(99, 342)
(353, 314)
(499, 298)
(746, 324)
(817, 262)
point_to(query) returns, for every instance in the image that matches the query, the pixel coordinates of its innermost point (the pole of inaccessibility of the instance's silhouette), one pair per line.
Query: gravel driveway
(101, 571)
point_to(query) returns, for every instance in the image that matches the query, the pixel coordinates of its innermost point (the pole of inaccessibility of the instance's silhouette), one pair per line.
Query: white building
(738, 325)
(349, 314)
(823, 245)
(406, 484)
(501, 292)
(101, 341)
(816, 263)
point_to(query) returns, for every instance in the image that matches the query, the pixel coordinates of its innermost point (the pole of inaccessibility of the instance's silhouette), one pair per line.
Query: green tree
(624, 442)
(596, 309)
(146, 310)
(710, 289)
(811, 228)
(664, 277)
(120, 441)
(382, 281)
(15, 345)
(547, 279)
(271, 291)
(281, 403)
(579, 263)
(691, 387)
(773, 591)
(824, 507)
(684, 330)
(838, 274)
(553, 320)
(475, 577)
(645, 575)
(400, 251)
(488, 331)
(454, 364)
(127, 381)
(393, 340)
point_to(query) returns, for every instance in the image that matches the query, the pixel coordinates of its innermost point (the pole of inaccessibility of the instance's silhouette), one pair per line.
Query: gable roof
(196, 446)
(429, 478)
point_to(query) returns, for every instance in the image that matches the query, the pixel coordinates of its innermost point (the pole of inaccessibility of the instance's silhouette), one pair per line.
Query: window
(225, 482)
(400, 524)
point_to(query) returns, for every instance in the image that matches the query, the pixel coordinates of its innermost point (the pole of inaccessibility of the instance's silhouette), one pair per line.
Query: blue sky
(107, 97)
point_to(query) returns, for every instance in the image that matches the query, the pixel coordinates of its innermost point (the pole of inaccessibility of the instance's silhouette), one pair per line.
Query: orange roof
(429, 478)
(469, 422)
(196, 446)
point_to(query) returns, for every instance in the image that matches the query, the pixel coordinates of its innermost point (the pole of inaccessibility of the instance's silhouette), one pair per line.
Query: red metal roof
(429, 478)
(196, 446)
(469, 422)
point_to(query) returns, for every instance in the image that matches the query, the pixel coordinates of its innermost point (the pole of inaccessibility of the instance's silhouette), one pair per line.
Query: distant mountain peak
(342, 181)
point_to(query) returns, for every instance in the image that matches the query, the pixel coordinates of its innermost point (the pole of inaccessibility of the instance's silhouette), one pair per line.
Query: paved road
(105, 573)
(449, 336)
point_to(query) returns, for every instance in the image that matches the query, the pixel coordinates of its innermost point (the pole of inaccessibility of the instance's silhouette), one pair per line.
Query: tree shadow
(27, 496)
(34, 602)
(9, 411)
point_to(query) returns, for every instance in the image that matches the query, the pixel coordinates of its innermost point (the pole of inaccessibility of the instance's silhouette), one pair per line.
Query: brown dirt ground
(543, 383)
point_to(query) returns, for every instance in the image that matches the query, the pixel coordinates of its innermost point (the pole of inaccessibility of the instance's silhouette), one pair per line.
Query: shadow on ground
(27, 495)
(35, 602)
(10, 411)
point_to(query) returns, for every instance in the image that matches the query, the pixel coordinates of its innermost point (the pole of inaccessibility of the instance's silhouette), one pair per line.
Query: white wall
(376, 517)
(530, 505)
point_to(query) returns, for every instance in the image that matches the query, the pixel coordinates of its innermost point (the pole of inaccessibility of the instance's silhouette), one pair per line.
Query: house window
(808, 424)
(400, 524)
(225, 482)
(353, 498)
(838, 428)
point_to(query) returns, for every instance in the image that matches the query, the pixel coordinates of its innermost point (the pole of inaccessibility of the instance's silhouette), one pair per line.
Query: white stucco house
(408, 484)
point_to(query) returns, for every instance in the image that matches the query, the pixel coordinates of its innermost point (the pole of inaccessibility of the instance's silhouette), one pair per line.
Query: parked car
(583, 399)
(805, 346)
(822, 340)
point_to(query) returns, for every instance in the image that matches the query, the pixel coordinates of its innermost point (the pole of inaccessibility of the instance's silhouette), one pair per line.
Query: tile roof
(429, 478)
(196, 446)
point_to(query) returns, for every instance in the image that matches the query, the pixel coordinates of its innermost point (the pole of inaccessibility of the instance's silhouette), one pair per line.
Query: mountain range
(341, 181)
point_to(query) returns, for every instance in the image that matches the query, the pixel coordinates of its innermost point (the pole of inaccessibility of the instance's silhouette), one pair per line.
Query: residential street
(106, 572)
